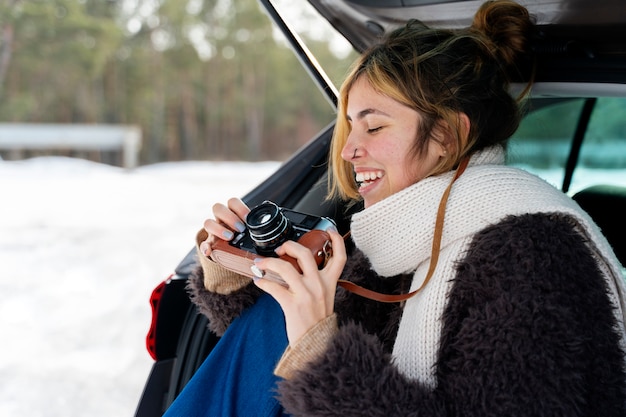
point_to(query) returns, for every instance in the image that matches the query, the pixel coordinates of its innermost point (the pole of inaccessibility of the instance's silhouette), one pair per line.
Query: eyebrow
(360, 115)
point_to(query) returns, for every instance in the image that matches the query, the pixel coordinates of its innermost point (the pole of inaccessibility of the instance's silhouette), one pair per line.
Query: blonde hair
(441, 74)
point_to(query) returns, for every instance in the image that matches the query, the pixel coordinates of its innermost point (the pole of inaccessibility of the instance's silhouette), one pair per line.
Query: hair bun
(508, 26)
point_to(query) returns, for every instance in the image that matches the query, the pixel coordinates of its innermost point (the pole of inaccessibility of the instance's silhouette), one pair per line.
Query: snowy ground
(82, 245)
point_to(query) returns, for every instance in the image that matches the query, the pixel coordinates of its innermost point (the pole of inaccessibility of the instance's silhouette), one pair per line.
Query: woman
(519, 302)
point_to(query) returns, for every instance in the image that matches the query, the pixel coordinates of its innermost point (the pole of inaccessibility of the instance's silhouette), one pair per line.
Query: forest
(203, 79)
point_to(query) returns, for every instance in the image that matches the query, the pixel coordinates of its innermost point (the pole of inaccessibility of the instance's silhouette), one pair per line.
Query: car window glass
(541, 144)
(602, 157)
(333, 52)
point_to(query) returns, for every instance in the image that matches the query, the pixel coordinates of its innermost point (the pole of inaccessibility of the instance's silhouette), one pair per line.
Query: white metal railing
(96, 137)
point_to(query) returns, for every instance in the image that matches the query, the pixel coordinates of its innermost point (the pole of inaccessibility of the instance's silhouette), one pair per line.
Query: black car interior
(606, 204)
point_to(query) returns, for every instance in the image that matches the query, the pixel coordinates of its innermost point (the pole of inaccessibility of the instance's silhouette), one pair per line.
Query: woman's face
(380, 143)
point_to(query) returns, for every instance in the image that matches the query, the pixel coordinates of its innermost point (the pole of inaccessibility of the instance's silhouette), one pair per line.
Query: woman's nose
(350, 149)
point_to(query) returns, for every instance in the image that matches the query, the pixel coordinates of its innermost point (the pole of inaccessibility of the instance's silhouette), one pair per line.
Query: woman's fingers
(339, 257)
(300, 253)
(228, 220)
(281, 294)
(308, 265)
(334, 267)
(226, 217)
(239, 208)
(292, 277)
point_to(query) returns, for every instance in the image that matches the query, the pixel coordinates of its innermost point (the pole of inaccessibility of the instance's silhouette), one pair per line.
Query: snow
(82, 245)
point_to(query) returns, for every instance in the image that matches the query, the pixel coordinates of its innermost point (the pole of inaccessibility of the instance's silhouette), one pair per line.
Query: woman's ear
(441, 136)
(453, 139)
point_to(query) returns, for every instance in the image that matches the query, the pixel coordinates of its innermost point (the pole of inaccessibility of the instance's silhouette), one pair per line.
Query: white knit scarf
(396, 235)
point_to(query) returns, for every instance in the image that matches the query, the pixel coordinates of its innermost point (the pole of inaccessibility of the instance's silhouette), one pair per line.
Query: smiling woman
(381, 144)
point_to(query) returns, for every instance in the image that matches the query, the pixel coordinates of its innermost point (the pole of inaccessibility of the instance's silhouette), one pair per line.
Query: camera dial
(269, 227)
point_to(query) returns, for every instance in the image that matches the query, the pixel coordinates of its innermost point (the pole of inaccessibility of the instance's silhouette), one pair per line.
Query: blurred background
(206, 80)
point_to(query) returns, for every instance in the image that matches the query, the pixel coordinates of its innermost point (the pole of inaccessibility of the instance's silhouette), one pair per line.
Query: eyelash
(374, 130)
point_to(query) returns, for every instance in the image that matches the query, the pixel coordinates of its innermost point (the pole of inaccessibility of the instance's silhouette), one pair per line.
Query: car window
(603, 154)
(333, 52)
(542, 143)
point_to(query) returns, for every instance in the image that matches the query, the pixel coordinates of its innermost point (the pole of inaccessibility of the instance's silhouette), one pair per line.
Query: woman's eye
(375, 129)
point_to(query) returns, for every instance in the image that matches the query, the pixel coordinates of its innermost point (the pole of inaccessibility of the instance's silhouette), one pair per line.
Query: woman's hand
(311, 295)
(227, 220)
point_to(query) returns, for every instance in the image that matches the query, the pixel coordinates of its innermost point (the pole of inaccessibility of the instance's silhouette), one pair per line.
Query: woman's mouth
(366, 178)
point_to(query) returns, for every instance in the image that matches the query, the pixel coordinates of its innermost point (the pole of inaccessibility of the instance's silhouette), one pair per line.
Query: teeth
(368, 176)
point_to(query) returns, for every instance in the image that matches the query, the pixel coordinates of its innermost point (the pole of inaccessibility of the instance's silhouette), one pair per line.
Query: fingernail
(332, 229)
(257, 273)
(204, 247)
(228, 235)
(240, 227)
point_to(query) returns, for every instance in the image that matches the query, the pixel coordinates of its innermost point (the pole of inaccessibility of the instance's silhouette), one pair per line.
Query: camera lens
(268, 227)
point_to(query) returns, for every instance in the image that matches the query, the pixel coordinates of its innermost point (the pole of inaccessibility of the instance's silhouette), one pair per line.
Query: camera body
(267, 227)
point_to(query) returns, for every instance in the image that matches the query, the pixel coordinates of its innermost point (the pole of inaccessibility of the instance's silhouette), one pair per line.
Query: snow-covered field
(82, 245)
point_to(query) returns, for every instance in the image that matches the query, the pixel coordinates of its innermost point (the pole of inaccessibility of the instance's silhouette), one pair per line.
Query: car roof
(582, 43)
(361, 21)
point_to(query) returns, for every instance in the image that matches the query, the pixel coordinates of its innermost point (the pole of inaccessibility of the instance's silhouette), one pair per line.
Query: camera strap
(441, 212)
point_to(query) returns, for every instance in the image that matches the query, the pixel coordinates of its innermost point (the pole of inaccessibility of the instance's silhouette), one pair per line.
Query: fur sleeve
(528, 331)
(532, 325)
(220, 309)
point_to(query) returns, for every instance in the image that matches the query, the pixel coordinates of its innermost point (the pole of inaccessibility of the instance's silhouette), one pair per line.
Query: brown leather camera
(268, 227)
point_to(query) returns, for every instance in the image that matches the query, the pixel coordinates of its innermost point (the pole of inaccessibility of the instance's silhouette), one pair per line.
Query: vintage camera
(267, 227)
